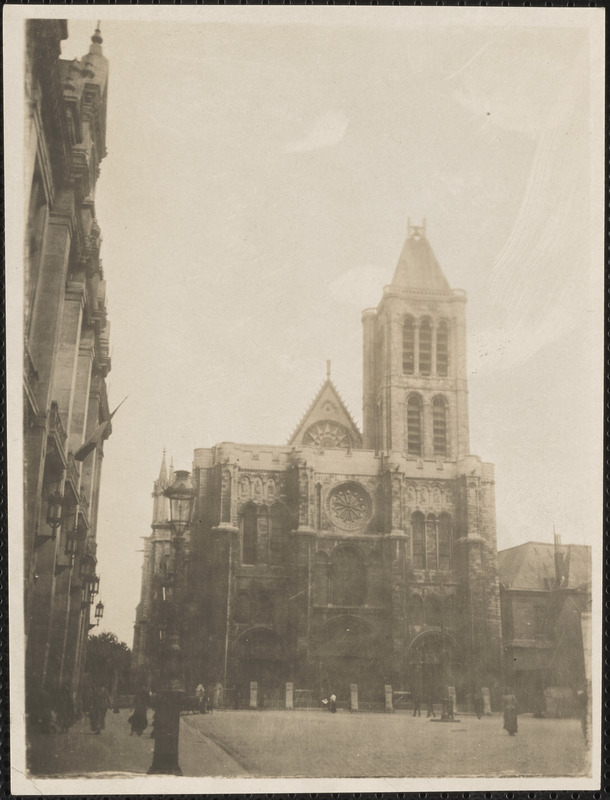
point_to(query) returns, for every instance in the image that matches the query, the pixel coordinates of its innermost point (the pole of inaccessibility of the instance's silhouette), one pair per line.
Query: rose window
(349, 506)
(327, 434)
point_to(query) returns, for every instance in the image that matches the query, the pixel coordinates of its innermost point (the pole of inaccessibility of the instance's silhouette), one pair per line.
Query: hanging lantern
(71, 543)
(54, 509)
(181, 498)
(99, 611)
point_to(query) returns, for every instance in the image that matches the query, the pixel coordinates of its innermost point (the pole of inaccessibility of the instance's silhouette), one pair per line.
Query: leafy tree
(108, 662)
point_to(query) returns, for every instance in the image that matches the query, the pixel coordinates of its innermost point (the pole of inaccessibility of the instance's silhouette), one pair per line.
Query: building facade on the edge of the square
(347, 558)
(545, 592)
(66, 352)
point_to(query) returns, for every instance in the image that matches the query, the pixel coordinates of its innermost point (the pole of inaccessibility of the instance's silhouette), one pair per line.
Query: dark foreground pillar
(166, 732)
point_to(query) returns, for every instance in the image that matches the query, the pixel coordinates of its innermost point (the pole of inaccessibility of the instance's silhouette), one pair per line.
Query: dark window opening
(442, 350)
(408, 346)
(439, 426)
(425, 347)
(414, 436)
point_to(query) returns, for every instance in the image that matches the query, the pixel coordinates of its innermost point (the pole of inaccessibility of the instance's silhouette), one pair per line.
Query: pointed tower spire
(163, 472)
(96, 40)
(417, 266)
(170, 477)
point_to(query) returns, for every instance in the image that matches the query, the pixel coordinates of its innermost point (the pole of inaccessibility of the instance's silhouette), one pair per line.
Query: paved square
(319, 745)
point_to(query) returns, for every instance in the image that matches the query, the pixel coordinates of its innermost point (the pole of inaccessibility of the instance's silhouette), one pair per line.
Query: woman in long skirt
(139, 720)
(510, 713)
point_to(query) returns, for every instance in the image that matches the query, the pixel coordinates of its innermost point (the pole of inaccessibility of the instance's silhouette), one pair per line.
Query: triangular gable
(327, 423)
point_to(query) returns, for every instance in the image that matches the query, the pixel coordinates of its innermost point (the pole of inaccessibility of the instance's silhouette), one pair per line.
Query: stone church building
(345, 557)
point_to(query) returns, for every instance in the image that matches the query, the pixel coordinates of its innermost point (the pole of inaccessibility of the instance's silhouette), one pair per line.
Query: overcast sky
(255, 199)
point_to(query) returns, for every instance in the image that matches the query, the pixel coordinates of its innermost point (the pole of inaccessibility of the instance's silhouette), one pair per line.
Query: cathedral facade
(346, 557)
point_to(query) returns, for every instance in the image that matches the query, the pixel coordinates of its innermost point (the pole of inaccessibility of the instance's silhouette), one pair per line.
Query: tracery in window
(425, 347)
(439, 425)
(442, 349)
(414, 434)
(408, 346)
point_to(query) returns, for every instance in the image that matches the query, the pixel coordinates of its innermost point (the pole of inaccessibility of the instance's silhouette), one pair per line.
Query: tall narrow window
(249, 526)
(431, 543)
(276, 536)
(442, 349)
(408, 346)
(439, 425)
(444, 541)
(425, 347)
(419, 540)
(262, 537)
(414, 425)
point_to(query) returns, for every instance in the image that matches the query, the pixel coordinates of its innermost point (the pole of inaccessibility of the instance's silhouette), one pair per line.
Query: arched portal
(259, 656)
(349, 650)
(433, 664)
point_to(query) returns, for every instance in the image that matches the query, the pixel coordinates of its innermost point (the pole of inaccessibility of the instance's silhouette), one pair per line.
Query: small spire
(97, 36)
(163, 472)
(170, 477)
(327, 369)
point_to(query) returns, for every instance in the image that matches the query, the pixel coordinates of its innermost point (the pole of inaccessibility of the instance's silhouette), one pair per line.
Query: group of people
(330, 703)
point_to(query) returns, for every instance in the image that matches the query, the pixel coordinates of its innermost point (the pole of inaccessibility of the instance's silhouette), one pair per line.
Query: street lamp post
(170, 693)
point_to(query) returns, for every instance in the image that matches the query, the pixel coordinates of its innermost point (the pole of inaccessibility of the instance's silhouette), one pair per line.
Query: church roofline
(311, 406)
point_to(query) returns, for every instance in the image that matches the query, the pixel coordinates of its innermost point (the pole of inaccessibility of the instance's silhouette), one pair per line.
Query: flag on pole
(96, 437)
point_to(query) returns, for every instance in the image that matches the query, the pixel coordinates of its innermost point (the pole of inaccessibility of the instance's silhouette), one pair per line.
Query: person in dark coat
(416, 704)
(332, 703)
(510, 713)
(64, 709)
(478, 704)
(100, 703)
(139, 719)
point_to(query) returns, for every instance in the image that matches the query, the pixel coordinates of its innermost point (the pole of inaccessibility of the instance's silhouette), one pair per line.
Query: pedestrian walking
(430, 708)
(478, 704)
(509, 702)
(332, 703)
(200, 695)
(139, 718)
(417, 705)
(64, 709)
(100, 703)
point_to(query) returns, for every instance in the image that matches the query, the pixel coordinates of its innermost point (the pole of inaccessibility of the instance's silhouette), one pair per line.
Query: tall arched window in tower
(444, 541)
(425, 347)
(431, 543)
(249, 524)
(414, 416)
(277, 527)
(439, 425)
(262, 538)
(442, 349)
(408, 346)
(348, 577)
(418, 534)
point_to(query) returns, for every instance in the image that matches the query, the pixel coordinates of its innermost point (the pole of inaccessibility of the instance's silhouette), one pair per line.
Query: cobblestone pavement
(114, 753)
(318, 744)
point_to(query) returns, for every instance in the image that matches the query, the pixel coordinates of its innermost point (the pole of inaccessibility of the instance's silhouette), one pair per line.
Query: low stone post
(253, 694)
(486, 701)
(353, 697)
(389, 707)
(451, 695)
(290, 696)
